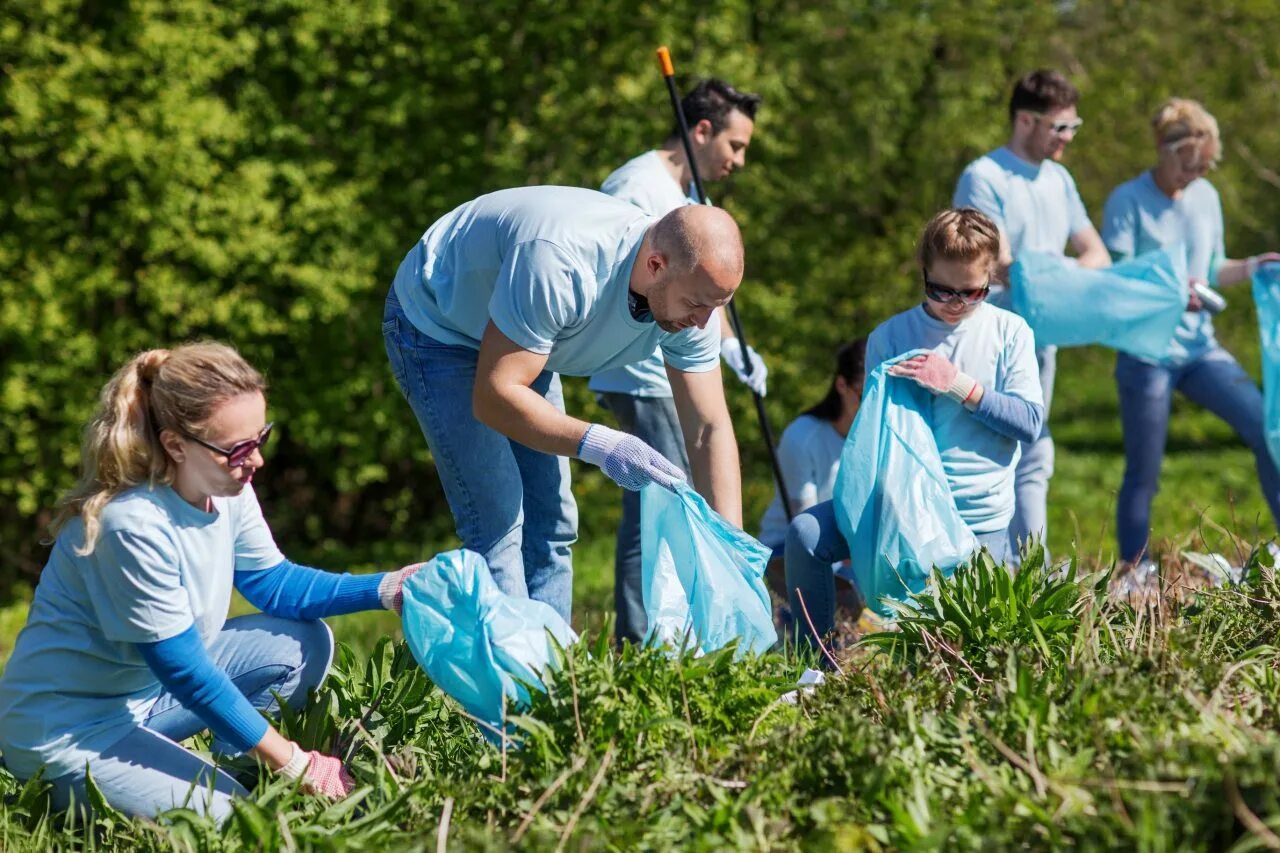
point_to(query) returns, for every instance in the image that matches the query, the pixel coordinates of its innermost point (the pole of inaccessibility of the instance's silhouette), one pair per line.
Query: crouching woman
(981, 369)
(127, 649)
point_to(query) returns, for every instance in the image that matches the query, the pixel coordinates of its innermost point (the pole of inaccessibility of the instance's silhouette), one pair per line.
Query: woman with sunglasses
(981, 367)
(1170, 205)
(127, 648)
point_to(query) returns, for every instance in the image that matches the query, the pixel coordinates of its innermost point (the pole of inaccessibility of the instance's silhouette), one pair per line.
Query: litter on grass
(481, 646)
(703, 578)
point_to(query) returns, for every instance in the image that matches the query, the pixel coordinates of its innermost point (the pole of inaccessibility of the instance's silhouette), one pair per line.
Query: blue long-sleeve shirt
(287, 590)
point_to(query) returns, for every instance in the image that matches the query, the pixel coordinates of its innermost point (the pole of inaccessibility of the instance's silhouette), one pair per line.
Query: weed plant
(1008, 711)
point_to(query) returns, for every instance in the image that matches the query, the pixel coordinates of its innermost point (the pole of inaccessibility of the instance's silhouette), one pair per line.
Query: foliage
(1054, 719)
(255, 171)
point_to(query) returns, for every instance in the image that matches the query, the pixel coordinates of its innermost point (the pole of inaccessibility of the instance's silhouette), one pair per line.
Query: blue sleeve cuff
(184, 668)
(291, 591)
(1012, 417)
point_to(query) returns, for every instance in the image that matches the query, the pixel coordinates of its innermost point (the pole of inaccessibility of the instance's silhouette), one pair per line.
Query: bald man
(509, 290)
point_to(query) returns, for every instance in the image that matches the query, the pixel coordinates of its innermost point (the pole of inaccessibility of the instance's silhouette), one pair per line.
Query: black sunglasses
(951, 296)
(238, 453)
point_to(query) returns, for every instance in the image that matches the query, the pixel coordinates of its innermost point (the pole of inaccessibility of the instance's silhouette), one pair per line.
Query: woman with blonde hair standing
(127, 649)
(1172, 205)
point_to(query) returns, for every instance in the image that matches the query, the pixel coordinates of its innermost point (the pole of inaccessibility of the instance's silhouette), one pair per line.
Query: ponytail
(158, 389)
(851, 362)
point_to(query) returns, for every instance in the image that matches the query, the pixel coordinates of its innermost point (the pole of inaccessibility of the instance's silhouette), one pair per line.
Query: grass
(1007, 713)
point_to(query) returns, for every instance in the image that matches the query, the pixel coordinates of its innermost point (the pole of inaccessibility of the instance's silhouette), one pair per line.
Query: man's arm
(1090, 251)
(504, 400)
(709, 438)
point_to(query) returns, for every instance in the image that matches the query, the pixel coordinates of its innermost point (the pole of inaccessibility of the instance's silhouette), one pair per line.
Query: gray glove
(627, 460)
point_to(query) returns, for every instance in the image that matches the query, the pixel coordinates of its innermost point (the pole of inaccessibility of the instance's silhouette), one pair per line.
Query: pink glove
(940, 376)
(326, 777)
(391, 588)
(1193, 299)
(322, 775)
(931, 371)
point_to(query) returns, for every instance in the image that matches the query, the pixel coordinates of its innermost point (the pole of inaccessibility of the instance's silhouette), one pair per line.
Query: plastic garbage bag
(703, 578)
(892, 501)
(1266, 296)
(1134, 306)
(480, 645)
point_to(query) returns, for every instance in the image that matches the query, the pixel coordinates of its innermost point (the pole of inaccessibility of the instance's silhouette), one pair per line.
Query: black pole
(668, 74)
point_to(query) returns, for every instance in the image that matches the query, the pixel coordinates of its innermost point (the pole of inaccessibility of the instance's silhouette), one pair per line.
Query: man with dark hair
(505, 293)
(1034, 201)
(721, 120)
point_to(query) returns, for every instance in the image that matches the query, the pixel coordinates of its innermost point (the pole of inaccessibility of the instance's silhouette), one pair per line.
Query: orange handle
(664, 61)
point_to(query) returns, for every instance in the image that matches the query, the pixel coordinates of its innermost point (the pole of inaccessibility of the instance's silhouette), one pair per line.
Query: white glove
(732, 353)
(627, 460)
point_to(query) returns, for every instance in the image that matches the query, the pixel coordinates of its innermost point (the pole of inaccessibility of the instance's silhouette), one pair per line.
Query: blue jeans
(814, 543)
(654, 421)
(148, 771)
(1214, 381)
(510, 504)
(1035, 467)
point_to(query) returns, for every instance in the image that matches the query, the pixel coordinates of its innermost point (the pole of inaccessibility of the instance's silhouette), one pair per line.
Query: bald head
(702, 238)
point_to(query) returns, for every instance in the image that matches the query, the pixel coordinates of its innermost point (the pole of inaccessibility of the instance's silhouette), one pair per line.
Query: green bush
(255, 171)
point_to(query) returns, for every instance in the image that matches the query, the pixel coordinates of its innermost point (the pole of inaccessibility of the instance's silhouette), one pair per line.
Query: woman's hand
(940, 376)
(930, 371)
(391, 588)
(321, 775)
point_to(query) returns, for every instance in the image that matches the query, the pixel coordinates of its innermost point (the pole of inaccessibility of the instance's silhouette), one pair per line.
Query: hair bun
(148, 364)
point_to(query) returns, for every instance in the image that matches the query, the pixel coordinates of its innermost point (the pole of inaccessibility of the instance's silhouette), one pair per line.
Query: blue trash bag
(1134, 306)
(703, 578)
(480, 645)
(1266, 296)
(892, 501)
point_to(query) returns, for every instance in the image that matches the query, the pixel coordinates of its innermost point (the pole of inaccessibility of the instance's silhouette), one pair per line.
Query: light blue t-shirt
(1037, 207)
(1140, 218)
(551, 266)
(996, 348)
(76, 682)
(644, 182)
(809, 456)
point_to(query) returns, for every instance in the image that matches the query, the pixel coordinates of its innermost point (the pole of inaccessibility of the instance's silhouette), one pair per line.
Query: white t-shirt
(76, 682)
(997, 349)
(809, 455)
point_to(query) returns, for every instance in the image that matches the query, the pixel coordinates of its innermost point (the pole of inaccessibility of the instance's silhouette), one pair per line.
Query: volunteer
(1173, 205)
(981, 369)
(508, 291)
(1034, 202)
(721, 120)
(809, 453)
(127, 648)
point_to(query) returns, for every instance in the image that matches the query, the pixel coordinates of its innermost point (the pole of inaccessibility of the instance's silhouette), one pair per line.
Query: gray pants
(654, 421)
(1031, 478)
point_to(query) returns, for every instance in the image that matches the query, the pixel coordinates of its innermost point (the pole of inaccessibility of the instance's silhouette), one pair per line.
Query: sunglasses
(237, 454)
(1061, 127)
(950, 296)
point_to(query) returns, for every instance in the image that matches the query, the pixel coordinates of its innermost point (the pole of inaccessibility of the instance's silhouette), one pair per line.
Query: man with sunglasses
(1034, 201)
(508, 291)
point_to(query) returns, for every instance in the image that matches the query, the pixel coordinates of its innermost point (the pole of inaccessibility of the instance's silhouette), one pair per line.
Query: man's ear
(702, 132)
(655, 263)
